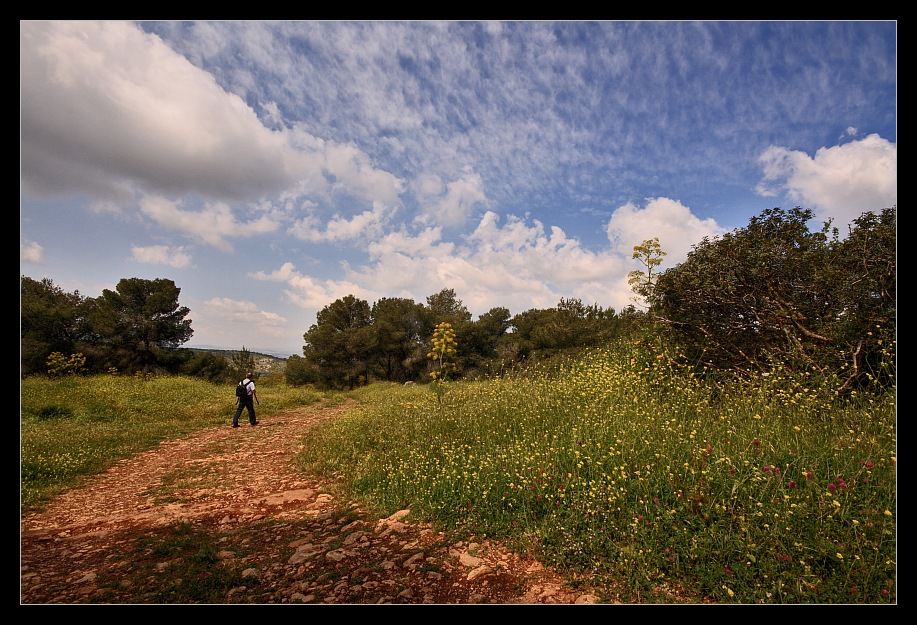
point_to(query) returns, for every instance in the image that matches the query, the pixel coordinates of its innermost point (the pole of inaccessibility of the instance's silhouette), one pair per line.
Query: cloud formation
(839, 182)
(515, 162)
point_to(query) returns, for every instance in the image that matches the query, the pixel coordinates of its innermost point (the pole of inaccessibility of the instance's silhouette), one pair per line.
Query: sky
(271, 168)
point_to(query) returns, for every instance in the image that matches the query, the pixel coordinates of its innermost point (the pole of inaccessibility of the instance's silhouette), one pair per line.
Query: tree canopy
(776, 292)
(135, 328)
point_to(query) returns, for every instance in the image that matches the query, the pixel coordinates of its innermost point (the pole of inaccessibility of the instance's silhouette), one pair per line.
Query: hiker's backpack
(242, 390)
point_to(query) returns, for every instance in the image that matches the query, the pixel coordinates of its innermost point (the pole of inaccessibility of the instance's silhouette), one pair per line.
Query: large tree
(400, 328)
(570, 324)
(445, 306)
(339, 343)
(776, 292)
(140, 324)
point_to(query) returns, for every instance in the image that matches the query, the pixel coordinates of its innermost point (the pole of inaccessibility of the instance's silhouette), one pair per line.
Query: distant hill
(228, 352)
(264, 363)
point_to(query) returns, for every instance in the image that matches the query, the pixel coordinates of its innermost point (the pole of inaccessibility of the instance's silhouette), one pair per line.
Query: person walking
(247, 401)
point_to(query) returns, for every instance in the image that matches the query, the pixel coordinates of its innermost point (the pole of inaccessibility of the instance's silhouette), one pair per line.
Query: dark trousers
(245, 403)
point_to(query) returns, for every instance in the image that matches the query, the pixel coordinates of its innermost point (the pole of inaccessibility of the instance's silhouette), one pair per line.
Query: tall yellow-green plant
(442, 354)
(444, 347)
(650, 254)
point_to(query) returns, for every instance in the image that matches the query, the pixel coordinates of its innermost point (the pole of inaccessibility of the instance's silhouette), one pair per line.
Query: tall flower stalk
(442, 354)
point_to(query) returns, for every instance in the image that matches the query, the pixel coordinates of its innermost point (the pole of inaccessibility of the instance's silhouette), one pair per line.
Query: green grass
(76, 426)
(630, 474)
(627, 473)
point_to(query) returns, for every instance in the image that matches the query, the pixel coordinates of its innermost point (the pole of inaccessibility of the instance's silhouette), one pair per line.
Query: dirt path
(285, 536)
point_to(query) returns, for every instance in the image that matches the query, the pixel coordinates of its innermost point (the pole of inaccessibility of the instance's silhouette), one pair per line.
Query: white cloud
(516, 265)
(212, 225)
(310, 293)
(449, 205)
(162, 255)
(225, 321)
(354, 173)
(109, 110)
(365, 225)
(838, 183)
(107, 104)
(31, 252)
(676, 226)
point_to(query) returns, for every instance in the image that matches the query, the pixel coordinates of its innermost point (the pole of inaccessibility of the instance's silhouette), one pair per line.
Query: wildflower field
(626, 472)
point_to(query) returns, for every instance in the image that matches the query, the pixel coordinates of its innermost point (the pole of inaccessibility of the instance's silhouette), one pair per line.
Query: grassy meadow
(75, 426)
(630, 475)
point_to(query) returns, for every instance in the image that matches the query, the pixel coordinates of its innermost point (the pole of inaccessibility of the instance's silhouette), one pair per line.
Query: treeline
(353, 342)
(138, 328)
(773, 294)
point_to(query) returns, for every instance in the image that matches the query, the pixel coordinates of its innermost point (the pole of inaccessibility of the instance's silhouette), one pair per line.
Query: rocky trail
(284, 537)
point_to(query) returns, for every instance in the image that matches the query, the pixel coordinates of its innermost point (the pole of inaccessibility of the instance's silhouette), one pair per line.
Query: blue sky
(270, 168)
